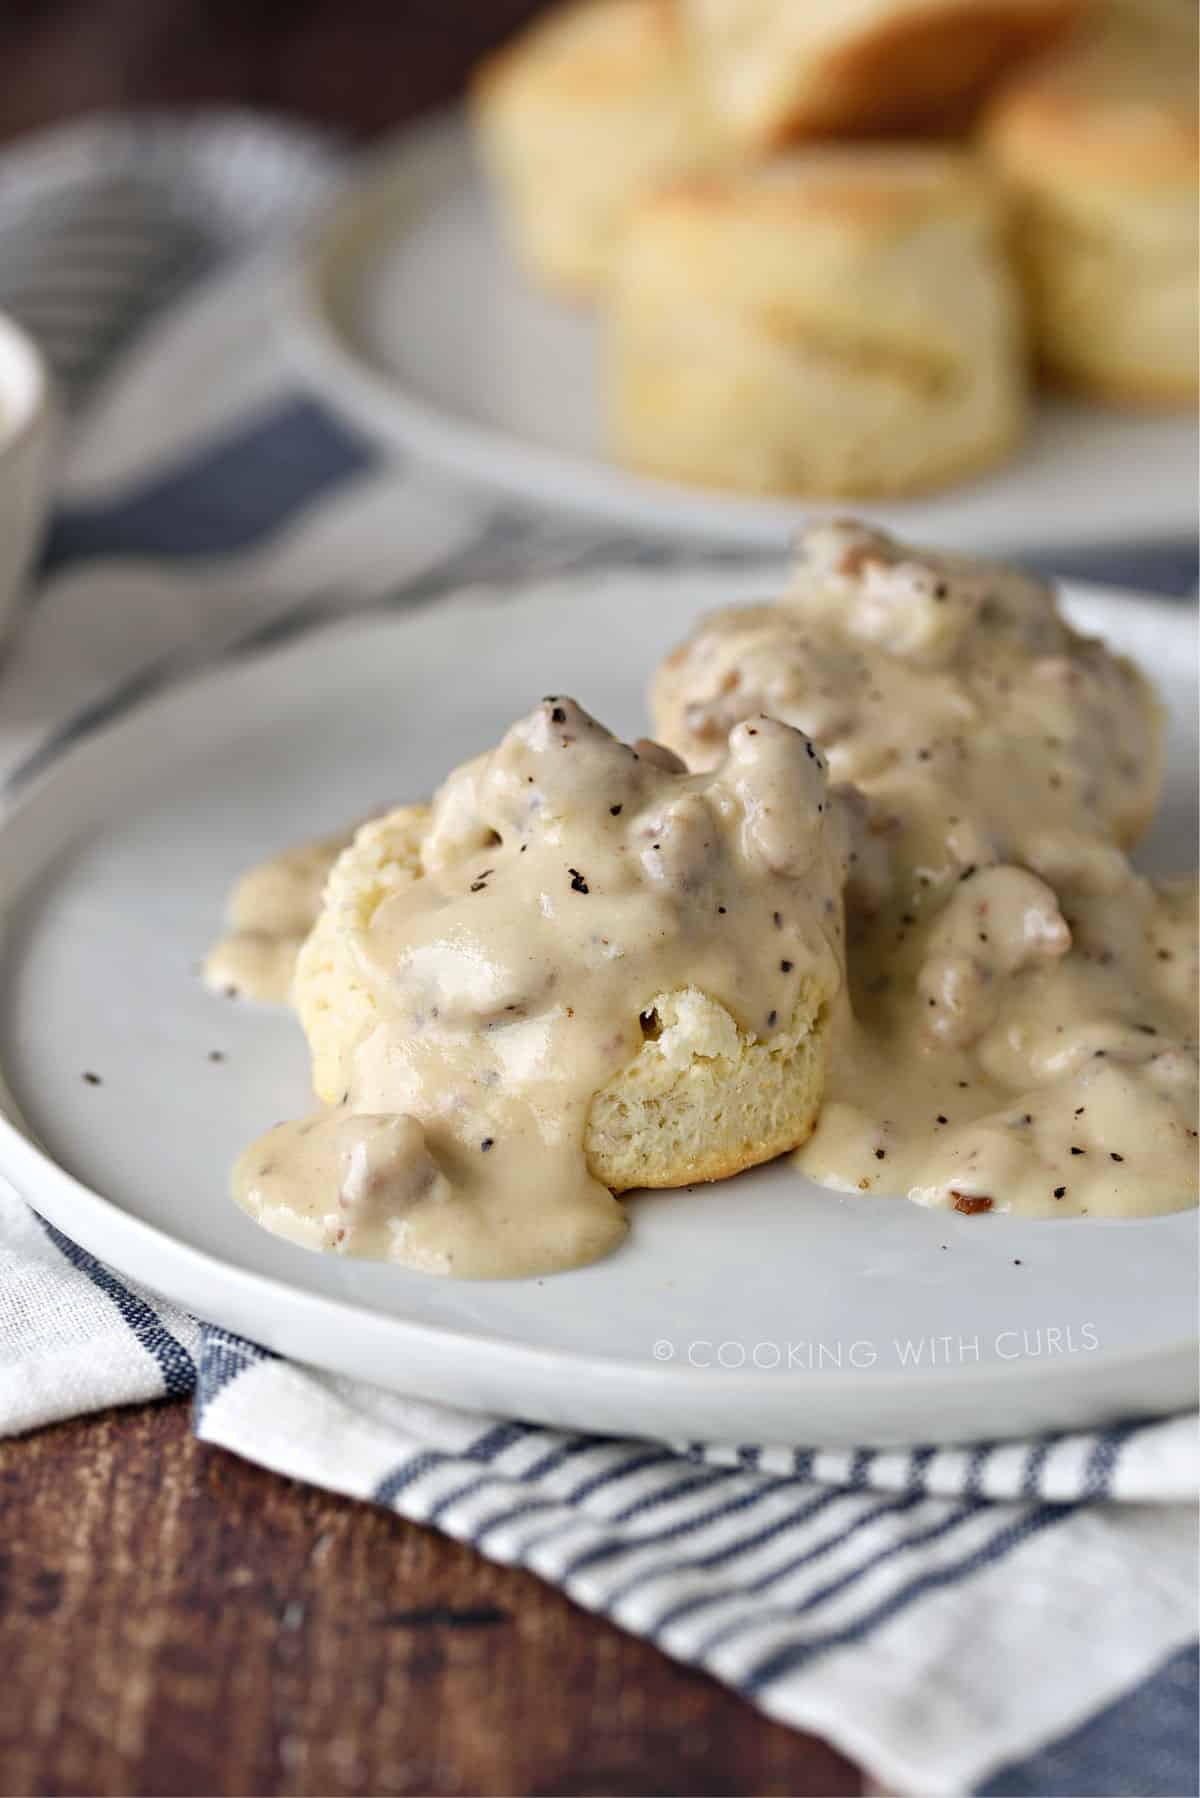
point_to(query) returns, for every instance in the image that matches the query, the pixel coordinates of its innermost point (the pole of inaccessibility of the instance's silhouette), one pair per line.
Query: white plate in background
(408, 313)
(899, 1324)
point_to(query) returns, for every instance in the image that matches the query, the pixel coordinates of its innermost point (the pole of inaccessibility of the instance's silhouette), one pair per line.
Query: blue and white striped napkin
(994, 1617)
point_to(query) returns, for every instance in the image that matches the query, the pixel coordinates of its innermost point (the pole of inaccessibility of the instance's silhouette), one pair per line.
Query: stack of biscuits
(837, 241)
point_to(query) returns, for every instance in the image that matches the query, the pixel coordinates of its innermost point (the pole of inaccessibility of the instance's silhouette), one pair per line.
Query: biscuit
(704, 1099)
(327, 990)
(839, 321)
(777, 70)
(1099, 145)
(701, 1098)
(578, 117)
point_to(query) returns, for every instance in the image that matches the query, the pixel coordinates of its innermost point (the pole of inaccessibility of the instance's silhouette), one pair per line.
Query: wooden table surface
(173, 1620)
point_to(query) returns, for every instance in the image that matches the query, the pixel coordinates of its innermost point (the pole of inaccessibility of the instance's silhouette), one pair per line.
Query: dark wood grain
(176, 1621)
(358, 65)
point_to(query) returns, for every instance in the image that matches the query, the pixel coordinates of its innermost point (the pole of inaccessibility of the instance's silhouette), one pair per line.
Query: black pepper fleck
(942, 1120)
(578, 883)
(880, 1154)
(1075, 1150)
(93, 1079)
(614, 811)
(1060, 1192)
(558, 716)
(772, 1018)
(777, 919)
(785, 967)
(1113, 1156)
(486, 1144)
(216, 1055)
(721, 909)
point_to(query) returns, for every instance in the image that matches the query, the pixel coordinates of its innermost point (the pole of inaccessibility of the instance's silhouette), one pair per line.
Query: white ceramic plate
(409, 314)
(112, 876)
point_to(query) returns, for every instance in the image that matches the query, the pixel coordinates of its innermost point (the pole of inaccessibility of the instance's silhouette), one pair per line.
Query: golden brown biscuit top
(864, 186)
(1117, 106)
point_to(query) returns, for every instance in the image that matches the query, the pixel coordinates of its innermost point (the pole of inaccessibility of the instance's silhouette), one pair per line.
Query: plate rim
(501, 462)
(191, 1276)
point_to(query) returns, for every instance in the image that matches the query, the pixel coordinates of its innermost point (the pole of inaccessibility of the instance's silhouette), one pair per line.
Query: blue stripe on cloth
(447, 1502)
(400, 1478)
(812, 1507)
(223, 1356)
(561, 1453)
(486, 1449)
(744, 1545)
(686, 1526)
(494, 1441)
(1035, 1464)
(178, 1368)
(1171, 570)
(682, 1488)
(860, 1467)
(528, 1507)
(1145, 1745)
(235, 493)
(1105, 1453)
(636, 1462)
(844, 1582)
(918, 1463)
(783, 1661)
(981, 1453)
(765, 1581)
(639, 1462)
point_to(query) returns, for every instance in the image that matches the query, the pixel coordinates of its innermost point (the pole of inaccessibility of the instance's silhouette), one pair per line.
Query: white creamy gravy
(270, 912)
(1020, 1027)
(1027, 1046)
(565, 883)
(1021, 1033)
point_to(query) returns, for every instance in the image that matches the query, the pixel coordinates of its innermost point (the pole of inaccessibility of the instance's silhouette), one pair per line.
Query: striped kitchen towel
(994, 1617)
